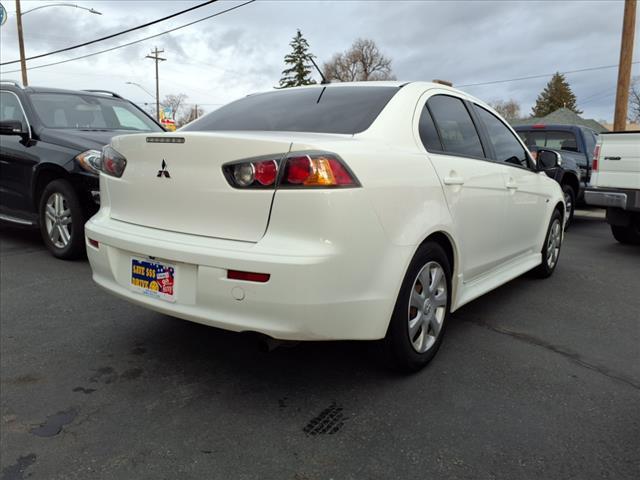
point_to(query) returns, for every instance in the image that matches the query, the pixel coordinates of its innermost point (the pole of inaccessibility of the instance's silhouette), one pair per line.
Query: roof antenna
(324, 80)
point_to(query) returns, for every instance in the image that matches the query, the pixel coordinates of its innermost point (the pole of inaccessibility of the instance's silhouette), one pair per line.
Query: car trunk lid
(180, 186)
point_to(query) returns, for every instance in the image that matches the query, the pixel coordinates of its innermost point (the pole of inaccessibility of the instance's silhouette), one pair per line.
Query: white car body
(336, 257)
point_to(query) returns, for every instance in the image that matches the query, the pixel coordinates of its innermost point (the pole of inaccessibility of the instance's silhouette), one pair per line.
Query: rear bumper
(330, 292)
(625, 199)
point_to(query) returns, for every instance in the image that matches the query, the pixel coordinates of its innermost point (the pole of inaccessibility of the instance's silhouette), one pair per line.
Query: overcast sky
(242, 51)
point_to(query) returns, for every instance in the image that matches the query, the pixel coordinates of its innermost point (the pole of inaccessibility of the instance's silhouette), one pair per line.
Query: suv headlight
(90, 161)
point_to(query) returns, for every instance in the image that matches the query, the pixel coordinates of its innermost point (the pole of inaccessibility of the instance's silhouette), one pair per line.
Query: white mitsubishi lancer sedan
(345, 211)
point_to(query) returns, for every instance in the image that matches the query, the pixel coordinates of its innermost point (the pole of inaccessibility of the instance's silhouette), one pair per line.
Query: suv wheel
(419, 318)
(570, 203)
(62, 220)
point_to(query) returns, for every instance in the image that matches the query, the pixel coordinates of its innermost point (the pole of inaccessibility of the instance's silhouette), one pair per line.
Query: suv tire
(62, 220)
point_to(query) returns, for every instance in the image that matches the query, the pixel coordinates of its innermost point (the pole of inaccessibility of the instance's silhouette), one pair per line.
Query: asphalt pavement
(538, 379)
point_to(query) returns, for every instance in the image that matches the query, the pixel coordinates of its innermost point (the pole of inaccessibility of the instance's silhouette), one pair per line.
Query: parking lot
(538, 379)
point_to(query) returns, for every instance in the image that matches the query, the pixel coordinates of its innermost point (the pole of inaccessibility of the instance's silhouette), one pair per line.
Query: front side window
(89, 112)
(506, 147)
(457, 131)
(10, 108)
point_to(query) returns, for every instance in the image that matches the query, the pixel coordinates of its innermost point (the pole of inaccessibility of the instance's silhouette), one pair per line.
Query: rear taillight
(296, 170)
(596, 158)
(111, 162)
(316, 170)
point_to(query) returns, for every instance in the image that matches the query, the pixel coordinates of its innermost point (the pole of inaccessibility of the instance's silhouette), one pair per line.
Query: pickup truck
(576, 145)
(615, 183)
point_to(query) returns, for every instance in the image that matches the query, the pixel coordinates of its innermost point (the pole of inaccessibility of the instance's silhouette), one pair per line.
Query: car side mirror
(12, 127)
(547, 159)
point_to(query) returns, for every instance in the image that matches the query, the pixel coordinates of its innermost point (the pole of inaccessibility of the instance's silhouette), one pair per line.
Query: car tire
(551, 247)
(629, 235)
(570, 204)
(419, 317)
(62, 220)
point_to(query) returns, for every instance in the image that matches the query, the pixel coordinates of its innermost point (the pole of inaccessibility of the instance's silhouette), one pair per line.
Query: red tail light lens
(300, 170)
(317, 170)
(266, 172)
(596, 158)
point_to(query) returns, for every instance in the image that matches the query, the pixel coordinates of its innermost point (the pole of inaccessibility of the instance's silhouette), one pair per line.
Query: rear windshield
(557, 140)
(332, 109)
(89, 112)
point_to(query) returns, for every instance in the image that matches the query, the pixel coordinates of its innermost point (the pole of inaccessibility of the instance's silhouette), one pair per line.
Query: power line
(137, 41)
(544, 75)
(73, 47)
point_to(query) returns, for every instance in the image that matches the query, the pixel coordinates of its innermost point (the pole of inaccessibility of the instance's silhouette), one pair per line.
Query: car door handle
(453, 180)
(613, 158)
(511, 184)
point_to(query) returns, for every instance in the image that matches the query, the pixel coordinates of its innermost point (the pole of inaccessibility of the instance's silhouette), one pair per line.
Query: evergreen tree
(557, 94)
(299, 62)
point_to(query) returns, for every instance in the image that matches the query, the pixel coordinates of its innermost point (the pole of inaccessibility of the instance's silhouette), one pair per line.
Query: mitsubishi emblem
(163, 172)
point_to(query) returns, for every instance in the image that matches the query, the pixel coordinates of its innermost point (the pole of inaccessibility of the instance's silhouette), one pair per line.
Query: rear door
(473, 186)
(526, 202)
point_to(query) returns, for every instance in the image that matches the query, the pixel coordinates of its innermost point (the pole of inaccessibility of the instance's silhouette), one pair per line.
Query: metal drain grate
(330, 421)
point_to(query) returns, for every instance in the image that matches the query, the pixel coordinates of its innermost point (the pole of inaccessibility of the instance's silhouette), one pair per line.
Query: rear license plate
(153, 278)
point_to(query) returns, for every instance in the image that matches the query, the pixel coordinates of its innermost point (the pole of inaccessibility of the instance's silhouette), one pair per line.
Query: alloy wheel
(58, 220)
(427, 306)
(553, 243)
(568, 202)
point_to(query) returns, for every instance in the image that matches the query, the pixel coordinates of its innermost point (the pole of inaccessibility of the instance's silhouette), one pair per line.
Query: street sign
(3, 14)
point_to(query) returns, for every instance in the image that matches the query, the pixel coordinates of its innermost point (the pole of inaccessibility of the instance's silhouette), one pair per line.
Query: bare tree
(634, 101)
(193, 113)
(176, 103)
(509, 109)
(362, 62)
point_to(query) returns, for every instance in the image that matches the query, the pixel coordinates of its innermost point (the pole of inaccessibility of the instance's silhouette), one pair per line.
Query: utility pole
(624, 68)
(23, 62)
(157, 59)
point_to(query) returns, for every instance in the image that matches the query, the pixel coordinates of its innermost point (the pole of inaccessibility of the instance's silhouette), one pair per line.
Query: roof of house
(562, 116)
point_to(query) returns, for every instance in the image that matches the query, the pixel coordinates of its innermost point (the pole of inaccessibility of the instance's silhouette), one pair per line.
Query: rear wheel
(551, 248)
(569, 202)
(62, 220)
(417, 325)
(628, 235)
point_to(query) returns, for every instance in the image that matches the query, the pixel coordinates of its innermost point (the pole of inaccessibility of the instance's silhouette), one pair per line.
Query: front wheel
(569, 202)
(62, 220)
(551, 247)
(417, 325)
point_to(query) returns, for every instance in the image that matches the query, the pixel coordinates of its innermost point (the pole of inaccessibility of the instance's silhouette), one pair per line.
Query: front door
(16, 161)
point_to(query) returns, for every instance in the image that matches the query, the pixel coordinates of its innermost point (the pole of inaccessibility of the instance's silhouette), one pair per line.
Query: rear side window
(590, 139)
(562, 141)
(457, 131)
(428, 132)
(10, 108)
(506, 146)
(333, 109)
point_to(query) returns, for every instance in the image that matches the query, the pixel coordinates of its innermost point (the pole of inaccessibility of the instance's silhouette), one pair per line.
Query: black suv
(50, 145)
